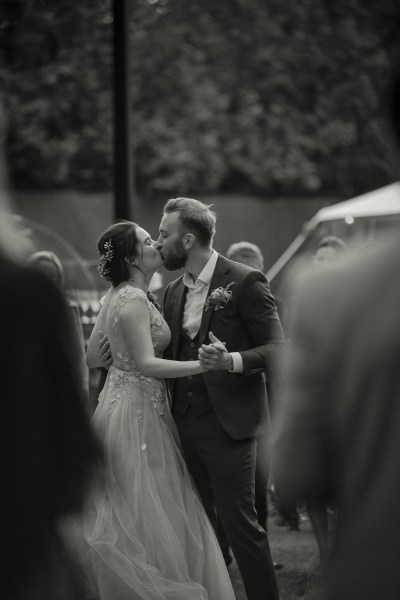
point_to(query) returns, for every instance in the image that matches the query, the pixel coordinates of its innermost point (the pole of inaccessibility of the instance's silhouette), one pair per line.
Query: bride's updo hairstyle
(118, 244)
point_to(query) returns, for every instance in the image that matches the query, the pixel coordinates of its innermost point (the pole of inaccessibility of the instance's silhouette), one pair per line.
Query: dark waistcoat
(190, 391)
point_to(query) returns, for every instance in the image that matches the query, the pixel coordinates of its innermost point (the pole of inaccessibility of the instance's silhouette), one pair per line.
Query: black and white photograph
(200, 276)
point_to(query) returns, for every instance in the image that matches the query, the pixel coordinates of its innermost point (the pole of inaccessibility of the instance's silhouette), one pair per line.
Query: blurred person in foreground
(330, 249)
(339, 436)
(46, 446)
(49, 264)
(339, 440)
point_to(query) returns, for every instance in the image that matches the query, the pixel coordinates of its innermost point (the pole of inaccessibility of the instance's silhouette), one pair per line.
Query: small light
(349, 220)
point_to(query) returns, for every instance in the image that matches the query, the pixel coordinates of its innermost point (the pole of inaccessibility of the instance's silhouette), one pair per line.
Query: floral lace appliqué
(126, 293)
(159, 330)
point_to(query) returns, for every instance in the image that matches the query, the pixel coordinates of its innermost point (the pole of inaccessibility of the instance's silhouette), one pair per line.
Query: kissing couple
(178, 416)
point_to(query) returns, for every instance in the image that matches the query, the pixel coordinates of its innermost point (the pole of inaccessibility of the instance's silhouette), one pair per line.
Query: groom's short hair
(195, 217)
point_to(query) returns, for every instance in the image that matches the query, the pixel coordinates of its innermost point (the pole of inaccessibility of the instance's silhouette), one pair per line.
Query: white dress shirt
(196, 295)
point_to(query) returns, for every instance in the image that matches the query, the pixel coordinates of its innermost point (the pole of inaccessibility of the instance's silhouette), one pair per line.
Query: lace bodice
(160, 333)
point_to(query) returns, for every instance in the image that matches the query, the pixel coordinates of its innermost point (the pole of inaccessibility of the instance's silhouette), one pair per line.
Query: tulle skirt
(145, 532)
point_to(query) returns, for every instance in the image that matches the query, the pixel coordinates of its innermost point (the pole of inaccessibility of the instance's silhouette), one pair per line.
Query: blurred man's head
(329, 248)
(246, 253)
(49, 264)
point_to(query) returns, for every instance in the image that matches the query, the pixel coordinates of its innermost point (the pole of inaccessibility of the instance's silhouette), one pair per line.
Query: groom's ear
(188, 240)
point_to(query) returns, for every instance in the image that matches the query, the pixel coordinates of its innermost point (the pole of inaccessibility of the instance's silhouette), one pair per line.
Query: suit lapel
(176, 325)
(220, 278)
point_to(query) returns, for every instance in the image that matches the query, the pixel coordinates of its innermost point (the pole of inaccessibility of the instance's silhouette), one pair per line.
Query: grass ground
(297, 552)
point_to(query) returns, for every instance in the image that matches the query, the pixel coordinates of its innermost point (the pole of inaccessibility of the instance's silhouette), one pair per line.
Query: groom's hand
(216, 343)
(215, 356)
(104, 351)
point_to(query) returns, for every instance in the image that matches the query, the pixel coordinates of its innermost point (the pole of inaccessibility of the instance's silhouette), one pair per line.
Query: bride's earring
(130, 263)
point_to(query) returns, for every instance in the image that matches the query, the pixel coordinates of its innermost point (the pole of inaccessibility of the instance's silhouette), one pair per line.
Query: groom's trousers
(223, 470)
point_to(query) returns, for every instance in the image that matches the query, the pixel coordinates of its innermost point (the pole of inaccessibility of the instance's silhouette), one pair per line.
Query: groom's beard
(176, 258)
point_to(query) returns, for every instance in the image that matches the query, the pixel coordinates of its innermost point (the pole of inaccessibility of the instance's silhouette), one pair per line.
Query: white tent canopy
(383, 201)
(380, 202)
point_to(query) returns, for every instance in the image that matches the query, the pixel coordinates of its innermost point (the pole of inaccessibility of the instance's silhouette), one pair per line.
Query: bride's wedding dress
(146, 536)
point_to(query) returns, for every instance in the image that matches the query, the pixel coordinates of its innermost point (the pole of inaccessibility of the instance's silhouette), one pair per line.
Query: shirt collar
(206, 274)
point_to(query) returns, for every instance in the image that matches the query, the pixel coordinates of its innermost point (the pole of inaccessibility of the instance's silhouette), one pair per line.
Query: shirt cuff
(237, 362)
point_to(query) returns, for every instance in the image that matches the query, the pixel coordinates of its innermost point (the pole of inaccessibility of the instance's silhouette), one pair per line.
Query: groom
(220, 413)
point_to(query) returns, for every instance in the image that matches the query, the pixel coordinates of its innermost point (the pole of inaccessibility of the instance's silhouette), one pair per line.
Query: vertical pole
(123, 165)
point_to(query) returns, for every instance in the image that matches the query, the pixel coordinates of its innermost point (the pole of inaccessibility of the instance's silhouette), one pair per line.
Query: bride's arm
(135, 321)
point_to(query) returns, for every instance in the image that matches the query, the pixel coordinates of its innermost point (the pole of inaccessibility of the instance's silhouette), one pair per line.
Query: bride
(146, 535)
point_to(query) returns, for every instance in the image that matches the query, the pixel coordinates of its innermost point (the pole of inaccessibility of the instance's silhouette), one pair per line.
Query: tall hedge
(270, 97)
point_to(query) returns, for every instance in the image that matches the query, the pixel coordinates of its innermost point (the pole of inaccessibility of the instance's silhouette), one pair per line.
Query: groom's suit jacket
(249, 324)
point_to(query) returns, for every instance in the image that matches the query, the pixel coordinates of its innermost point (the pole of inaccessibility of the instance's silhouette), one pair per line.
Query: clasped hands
(214, 356)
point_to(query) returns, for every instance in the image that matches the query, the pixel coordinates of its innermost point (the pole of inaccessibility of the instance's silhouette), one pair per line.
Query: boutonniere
(219, 297)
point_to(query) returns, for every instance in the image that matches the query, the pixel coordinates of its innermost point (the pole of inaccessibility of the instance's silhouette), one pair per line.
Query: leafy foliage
(268, 97)
(57, 66)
